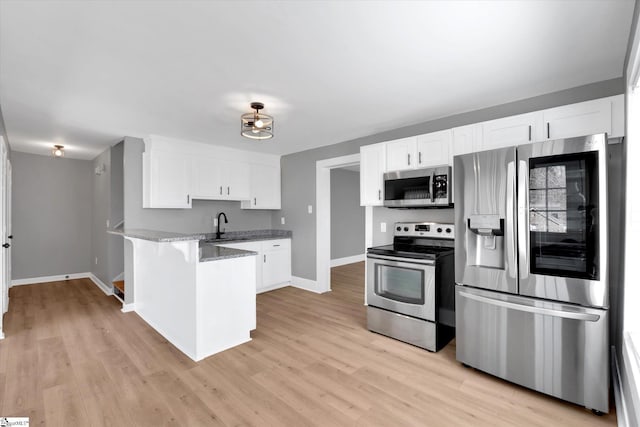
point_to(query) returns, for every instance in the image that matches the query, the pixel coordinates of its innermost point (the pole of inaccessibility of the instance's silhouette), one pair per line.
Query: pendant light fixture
(256, 125)
(58, 151)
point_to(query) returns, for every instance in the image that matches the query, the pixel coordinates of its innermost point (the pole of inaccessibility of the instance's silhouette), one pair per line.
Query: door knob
(6, 245)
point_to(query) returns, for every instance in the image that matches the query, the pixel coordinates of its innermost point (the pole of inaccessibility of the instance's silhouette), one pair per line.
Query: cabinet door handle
(408, 159)
(221, 190)
(228, 190)
(548, 131)
(379, 194)
(254, 201)
(420, 157)
(188, 199)
(264, 258)
(275, 246)
(529, 132)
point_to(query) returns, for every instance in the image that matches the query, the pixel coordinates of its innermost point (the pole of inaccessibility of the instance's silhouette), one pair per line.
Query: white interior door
(4, 298)
(9, 236)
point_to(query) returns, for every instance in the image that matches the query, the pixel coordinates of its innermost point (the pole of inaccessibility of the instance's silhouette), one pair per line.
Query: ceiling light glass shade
(58, 151)
(256, 125)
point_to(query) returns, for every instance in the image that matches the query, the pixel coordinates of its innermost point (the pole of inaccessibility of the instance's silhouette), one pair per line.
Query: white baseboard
(103, 287)
(126, 308)
(62, 277)
(273, 288)
(306, 284)
(347, 260)
(46, 279)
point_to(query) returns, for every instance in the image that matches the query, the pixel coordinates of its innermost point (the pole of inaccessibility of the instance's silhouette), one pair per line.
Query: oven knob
(439, 230)
(448, 230)
(406, 229)
(398, 228)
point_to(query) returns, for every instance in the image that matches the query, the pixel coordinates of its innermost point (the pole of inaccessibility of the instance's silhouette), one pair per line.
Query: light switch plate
(383, 227)
(310, 209)
(282, 220)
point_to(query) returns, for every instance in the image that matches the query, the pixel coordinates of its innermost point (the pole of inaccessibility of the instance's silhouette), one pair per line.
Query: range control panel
(424, 229)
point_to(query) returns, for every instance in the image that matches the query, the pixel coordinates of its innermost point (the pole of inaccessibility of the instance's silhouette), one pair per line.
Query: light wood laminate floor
(72, 358)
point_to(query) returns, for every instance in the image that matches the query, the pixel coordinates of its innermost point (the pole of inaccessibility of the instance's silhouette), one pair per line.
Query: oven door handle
(400, 259)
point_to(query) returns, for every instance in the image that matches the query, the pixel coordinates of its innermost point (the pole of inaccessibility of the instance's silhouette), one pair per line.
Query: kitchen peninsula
(197, 293)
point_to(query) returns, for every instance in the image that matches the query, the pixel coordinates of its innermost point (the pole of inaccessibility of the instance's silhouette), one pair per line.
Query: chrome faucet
(219, 233)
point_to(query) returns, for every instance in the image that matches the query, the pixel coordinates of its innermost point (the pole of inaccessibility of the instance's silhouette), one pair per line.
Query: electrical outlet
(215, 221)
(96, 260)
(282, 220)
(383, 227)
(108, 222)
(310, 209)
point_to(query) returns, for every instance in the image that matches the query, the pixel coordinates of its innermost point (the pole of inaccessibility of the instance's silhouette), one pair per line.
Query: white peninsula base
(200, 307)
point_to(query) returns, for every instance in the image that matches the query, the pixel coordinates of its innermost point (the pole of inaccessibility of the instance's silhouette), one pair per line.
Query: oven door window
(400, 284)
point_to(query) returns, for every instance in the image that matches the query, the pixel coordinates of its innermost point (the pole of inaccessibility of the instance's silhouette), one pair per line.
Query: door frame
(323, 217)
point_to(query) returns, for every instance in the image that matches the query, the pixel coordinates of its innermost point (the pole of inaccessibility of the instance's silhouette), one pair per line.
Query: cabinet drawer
(271, 245)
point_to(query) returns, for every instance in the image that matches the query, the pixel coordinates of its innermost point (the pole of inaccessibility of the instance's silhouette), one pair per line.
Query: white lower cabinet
(276, 268)
(273, 269)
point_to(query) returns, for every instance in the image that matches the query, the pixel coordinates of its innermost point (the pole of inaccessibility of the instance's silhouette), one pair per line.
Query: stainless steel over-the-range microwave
(418, 188)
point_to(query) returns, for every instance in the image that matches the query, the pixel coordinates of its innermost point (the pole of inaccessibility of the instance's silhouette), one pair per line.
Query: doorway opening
(324, 219)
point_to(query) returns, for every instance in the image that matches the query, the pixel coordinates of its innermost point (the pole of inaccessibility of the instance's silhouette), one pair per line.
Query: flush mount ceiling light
(256, 125)
(58, 151)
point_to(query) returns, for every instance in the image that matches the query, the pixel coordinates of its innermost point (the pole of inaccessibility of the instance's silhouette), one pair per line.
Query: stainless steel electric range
(411, 287)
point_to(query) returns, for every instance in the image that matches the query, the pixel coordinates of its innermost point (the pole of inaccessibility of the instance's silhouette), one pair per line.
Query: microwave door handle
(433, 187)
(510, 220)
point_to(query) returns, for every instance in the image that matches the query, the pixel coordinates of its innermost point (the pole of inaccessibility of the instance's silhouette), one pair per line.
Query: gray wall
(51, 212)
(195, 220)
(347, 216)
(299, 169)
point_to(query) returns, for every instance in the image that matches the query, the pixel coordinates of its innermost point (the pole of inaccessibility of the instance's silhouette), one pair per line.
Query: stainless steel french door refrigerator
(532, 293)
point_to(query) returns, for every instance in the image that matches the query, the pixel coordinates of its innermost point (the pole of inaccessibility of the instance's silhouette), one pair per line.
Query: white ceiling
(84, 74)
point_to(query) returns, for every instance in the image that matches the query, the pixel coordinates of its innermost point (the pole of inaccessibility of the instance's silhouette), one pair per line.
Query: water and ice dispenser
(485, 243)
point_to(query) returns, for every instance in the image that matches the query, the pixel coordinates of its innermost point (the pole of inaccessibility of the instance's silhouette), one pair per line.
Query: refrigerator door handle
(523, 221)
(511, 220)
(585, 317)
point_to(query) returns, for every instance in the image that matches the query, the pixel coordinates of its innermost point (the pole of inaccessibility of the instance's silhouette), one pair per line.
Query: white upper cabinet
(207, 179)
(175, 172)
(235, 180)
(465, 140)
(219, 179)
(514, 130)
(372, 168)
(265, 187)
(434, 149)
(166, 179)
(584, 118)
(401, 154)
